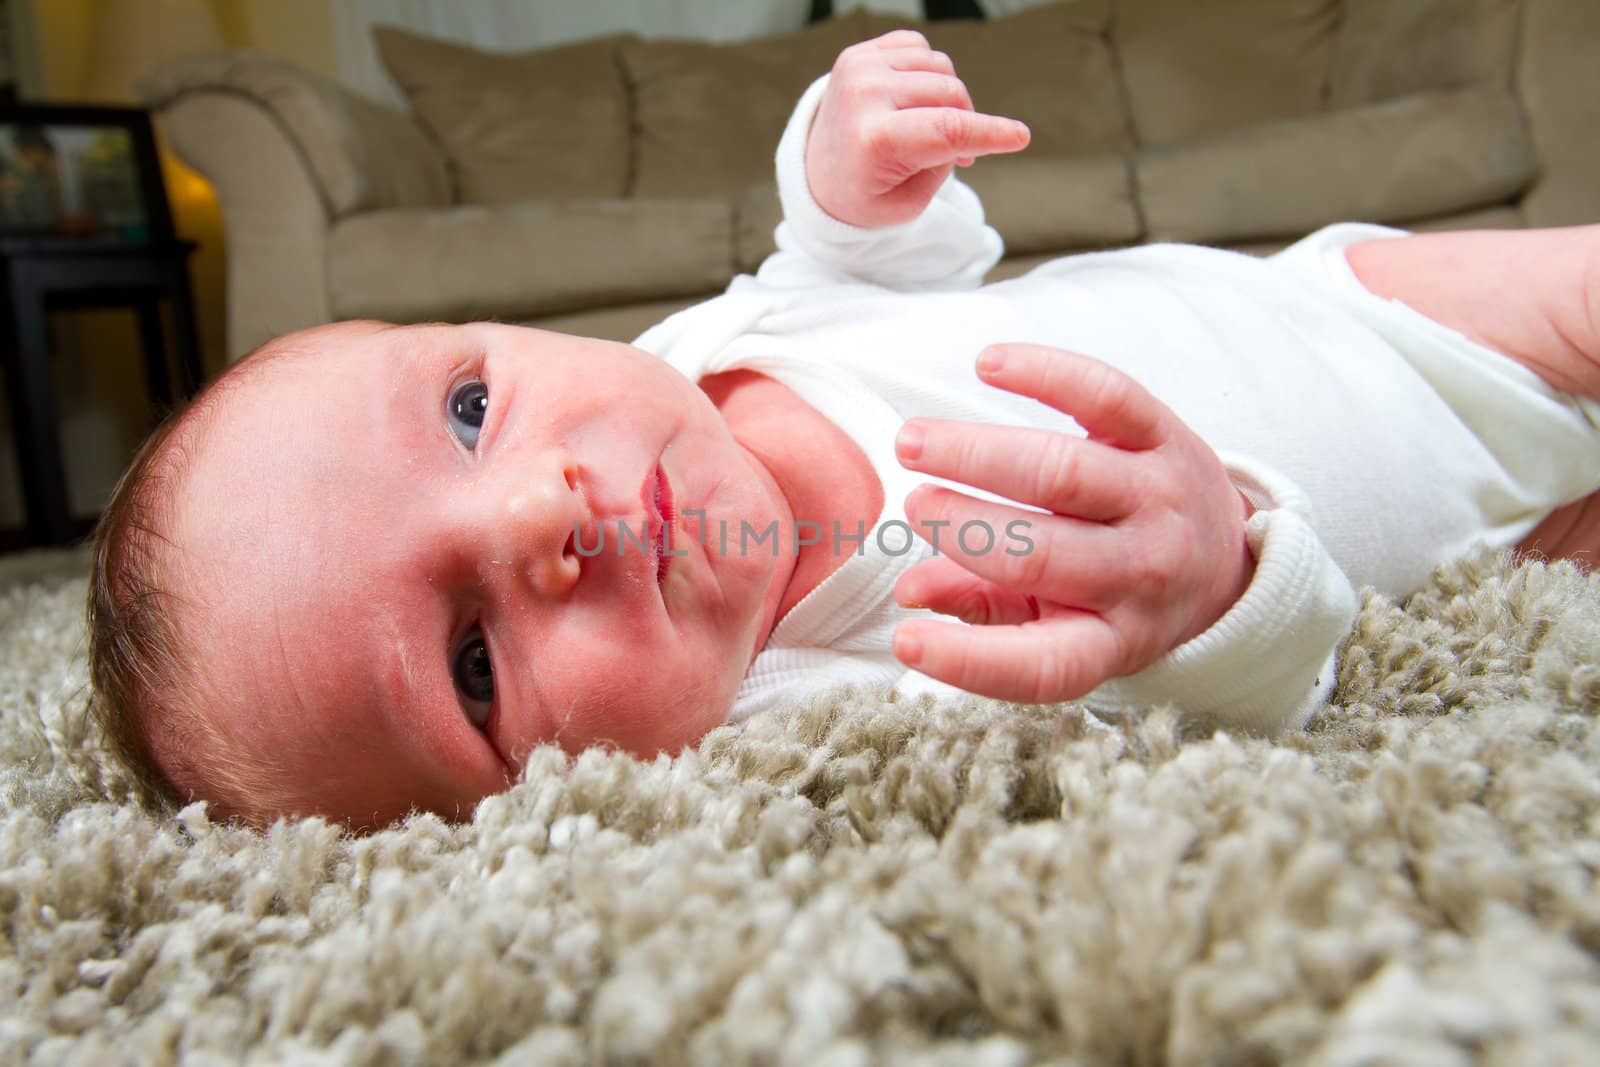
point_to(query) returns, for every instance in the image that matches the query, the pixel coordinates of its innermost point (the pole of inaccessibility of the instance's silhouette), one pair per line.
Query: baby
(372, 567)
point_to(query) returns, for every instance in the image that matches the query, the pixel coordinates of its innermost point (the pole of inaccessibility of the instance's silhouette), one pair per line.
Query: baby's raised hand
(892, 124)
(1142, 549)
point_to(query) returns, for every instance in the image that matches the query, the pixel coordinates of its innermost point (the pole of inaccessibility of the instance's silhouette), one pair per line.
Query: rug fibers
(858, 880)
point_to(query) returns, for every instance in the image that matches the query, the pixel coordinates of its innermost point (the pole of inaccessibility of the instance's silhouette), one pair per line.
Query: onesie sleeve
(948, 246)
(1269, 663)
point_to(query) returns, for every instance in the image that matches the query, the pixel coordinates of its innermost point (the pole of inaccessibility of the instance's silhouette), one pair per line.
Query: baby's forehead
(321, 354)
(318, 346)
(265, 424)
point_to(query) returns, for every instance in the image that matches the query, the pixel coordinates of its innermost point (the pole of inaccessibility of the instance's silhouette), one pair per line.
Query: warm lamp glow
(187, 190)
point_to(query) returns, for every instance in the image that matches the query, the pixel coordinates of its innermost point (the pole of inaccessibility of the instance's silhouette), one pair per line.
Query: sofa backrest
(1172, 87)
(554, 120)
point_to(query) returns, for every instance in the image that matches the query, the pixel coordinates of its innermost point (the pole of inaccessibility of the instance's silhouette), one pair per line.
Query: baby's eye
(473, 674)
(464, 411)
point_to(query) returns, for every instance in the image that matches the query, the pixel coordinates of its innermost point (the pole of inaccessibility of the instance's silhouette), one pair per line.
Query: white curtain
(999, 8)
(906, 9)
(515, 25)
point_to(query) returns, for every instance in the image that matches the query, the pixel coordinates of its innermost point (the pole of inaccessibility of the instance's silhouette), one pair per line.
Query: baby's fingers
(1056, 558)
(945, 586)
(897, 39)
(1107, 403)
(919, 58)
(1038, 663)
(921, 89)
(929, 137)
(1063, 474)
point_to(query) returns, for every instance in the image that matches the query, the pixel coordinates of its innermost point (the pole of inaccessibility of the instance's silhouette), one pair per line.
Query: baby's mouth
(658, 498)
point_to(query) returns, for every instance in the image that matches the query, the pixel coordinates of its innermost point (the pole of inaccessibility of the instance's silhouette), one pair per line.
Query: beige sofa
(597, 187)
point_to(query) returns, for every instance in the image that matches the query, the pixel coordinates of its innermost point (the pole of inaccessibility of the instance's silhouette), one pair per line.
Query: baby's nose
(540, 513)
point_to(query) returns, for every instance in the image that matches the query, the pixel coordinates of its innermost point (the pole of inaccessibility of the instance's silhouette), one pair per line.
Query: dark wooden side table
(42, 275)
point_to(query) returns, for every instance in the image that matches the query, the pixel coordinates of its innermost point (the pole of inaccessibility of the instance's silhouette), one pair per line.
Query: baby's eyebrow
(414, 348)
(407, 349)
(415, 365)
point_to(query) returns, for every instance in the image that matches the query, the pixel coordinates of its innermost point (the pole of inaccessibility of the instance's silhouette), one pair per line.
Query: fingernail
(991, 360)
(907, 649)
(908, 442)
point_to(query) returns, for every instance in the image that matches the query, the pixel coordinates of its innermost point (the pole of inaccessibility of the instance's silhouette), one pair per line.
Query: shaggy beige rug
(1413, 880)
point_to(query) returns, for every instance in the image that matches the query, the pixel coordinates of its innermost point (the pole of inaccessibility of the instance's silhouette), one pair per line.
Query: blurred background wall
(91, 51)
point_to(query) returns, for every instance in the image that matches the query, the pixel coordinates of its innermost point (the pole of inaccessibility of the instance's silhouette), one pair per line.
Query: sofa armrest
(362, 155)
(275, 217)
(287, 153)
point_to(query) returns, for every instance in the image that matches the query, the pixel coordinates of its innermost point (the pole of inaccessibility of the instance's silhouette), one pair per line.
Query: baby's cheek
(670, 707)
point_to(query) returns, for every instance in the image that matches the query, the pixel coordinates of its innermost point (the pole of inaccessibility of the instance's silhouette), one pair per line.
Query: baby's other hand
(1143, 547)
(892, 124)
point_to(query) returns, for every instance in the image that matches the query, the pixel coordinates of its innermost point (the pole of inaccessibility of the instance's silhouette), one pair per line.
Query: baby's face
(378, 544)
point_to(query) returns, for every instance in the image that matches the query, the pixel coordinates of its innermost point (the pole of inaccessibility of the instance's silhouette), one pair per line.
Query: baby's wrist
(1235, 573)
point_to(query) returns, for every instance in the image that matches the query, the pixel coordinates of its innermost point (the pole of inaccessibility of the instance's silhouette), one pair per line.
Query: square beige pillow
(550, 124)
(1195, 67)
(1051, 67)
(710, 115)
(1387, 49)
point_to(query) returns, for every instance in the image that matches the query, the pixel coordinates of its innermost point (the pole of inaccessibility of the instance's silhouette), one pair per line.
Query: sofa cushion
(1041, 203)
(1418, 156)
(1555, 77)
(756, 214)
(1036, 203)
(1071, 98)
(623, 322)
(710, 114)
(549, 124)
(518, 261)
(1387, 49)
(1193, 68)
(1500, 217)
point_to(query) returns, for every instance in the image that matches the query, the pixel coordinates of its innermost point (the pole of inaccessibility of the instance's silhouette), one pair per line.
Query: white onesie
(1374, 443)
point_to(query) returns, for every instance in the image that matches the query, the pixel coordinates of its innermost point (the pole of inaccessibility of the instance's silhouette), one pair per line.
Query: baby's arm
(865, 174)
(1533, 295)
(1147, 566)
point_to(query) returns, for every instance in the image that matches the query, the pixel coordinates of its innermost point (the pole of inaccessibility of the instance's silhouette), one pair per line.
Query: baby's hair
(141, 671)
(134, 652)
